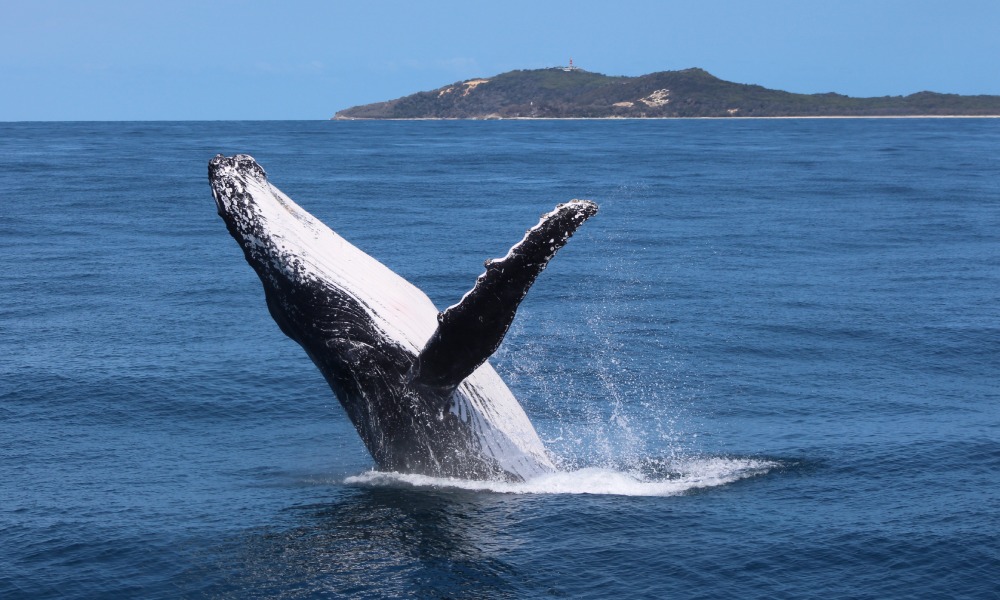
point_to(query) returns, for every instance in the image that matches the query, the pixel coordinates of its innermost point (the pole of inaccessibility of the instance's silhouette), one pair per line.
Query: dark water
(769, 365)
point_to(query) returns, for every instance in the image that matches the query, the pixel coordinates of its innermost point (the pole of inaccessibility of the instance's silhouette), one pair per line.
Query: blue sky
(179, 59)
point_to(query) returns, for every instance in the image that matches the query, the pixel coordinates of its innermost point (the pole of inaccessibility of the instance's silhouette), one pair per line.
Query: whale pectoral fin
(470, 331)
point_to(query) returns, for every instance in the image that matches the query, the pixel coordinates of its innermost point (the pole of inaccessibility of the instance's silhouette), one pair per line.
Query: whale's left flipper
(470, 331)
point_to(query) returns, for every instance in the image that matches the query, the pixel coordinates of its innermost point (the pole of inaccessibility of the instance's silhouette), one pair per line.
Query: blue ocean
(768, 368)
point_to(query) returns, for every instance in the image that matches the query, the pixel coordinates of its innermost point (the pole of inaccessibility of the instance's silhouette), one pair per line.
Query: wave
(659, 478)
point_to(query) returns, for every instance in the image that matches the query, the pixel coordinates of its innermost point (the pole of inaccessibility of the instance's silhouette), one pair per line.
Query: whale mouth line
(674, 478)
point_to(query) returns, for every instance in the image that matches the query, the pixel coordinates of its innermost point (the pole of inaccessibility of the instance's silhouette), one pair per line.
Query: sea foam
(682, 476)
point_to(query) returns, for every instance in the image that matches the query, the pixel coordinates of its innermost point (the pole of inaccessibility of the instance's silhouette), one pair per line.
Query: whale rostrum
(415, 383)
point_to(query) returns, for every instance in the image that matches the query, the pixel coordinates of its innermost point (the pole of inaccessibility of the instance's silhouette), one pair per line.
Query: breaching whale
(415, 383)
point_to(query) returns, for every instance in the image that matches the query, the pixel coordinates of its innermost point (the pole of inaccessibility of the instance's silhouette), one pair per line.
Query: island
(574, 93)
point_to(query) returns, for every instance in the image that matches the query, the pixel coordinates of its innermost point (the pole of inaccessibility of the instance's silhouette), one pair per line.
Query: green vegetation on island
(560, 93)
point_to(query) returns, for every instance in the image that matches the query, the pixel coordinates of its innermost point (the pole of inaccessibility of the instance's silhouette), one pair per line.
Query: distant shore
(559, 93)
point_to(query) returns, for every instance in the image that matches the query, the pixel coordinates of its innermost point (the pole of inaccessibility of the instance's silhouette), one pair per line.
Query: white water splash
(680, 477)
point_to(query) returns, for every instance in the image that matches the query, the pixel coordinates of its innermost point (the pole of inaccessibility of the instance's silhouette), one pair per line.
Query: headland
(574, 93)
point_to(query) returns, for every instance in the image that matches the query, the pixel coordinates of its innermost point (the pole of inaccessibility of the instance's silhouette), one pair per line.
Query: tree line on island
(559, 93)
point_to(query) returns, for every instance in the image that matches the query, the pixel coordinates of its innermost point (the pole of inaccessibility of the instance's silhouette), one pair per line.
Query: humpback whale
(415, 383)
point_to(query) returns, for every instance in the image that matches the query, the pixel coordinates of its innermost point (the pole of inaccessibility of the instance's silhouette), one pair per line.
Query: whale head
(259, 216)
(301, 261)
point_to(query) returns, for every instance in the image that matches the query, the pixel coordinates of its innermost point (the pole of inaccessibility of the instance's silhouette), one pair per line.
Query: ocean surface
(768, 367)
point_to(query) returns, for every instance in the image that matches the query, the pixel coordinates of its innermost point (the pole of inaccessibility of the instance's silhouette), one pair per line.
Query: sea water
(767, 368)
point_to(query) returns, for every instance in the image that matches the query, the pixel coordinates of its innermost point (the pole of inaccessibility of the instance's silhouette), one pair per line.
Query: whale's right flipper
(470, 331)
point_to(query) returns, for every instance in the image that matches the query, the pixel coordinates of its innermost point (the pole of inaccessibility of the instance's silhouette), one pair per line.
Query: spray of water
(602, 387)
